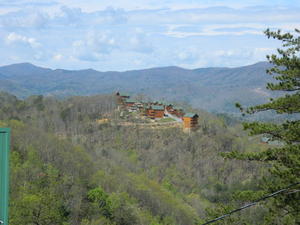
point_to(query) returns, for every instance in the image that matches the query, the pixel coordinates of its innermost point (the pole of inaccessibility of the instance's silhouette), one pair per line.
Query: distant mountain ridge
(213, 89)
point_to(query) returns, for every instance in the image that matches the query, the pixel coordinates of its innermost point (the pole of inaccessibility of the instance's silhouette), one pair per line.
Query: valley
(158, 176)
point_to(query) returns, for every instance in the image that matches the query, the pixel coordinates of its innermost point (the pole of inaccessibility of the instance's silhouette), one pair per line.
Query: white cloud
(24, 19)
(94, 47)
(94, 5)
(120, 34)
(114, 15)
(17, 38)
(140, 43)
(179, 34)
(58, 57)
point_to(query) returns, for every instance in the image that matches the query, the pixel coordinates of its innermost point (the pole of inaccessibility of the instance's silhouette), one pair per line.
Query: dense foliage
(66, 168)
(284, 158)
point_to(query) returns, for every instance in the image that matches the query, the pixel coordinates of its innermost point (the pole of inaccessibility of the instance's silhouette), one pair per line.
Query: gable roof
(178, 108)
(191, 115)
(123, 94)
(157, 107)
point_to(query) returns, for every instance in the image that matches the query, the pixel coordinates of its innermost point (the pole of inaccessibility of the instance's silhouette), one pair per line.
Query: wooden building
(155, 111)
(190, 121)
(129, 102)
(169, 107)
(161, 103)
(132, 108)
(159, 111)
(139, 106)
(179, 112)
(176, 111)
(121, 97)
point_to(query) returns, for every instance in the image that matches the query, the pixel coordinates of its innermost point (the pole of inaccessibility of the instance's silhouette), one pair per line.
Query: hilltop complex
(157, 110)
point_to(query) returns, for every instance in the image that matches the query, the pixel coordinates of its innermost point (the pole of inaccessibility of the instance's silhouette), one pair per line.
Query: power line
(252, 203)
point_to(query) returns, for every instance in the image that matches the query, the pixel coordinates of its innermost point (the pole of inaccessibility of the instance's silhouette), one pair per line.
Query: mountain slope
(214, 89)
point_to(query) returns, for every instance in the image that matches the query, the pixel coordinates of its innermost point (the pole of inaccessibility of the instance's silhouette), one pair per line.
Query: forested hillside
(212, 89)
(68, 169)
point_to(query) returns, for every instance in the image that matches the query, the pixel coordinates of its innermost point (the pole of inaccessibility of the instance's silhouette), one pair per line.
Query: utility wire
(252, 203)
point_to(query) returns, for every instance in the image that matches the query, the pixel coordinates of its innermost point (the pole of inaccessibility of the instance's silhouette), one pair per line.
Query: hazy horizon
(146, 68)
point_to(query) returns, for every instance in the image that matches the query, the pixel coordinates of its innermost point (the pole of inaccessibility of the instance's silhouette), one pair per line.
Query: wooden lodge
(169, 107)
(161, 103)
(155, 111)
(190, 121)
(176, 111)
(179, 112)
(121, 97)
(129, 102)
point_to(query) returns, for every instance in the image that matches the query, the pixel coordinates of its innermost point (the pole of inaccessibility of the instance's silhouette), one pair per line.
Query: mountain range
(212, 89)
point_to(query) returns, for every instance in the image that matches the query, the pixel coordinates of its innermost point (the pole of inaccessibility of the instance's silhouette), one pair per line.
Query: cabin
(139, 106)
(169, 107)
(190, 121)
(159, 111)
(129, 102)
(132, 108)
(155, 111)
(176, 111)
(121, 97)
(179, 112)
(161, 103)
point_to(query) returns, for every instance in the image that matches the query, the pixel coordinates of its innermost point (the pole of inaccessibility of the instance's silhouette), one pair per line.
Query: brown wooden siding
(153, 114)
(189, 122)
(129, 104)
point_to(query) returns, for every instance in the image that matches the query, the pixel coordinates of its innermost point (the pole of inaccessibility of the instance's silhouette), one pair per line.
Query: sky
(122, 35)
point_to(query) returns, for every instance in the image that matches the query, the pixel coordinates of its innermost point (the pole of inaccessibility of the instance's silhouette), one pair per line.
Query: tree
(284, 159)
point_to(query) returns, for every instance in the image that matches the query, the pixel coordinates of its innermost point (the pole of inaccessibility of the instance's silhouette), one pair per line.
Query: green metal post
(4, 174)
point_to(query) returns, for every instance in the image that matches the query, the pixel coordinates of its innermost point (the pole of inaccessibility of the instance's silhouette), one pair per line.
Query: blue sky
(125, 34)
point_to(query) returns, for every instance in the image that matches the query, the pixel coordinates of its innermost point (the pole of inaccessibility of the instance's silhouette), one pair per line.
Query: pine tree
(283, 159)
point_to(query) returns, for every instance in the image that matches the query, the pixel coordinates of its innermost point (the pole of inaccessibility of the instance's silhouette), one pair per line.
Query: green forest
(69, 169)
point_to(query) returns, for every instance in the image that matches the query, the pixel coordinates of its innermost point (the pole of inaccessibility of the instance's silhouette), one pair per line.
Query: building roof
(123, 94)
(157, 107)
(163, 103)
(191, 115)
(129, 100)
(178, 108)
